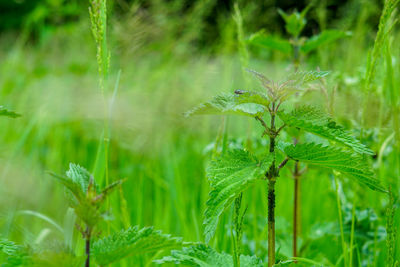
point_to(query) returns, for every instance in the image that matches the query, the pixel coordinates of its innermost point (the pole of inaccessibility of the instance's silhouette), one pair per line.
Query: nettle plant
(297, 45)
(87, 200)
(231, 173)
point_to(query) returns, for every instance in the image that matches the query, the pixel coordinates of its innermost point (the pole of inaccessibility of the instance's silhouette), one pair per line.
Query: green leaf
(133, 241)
(315, 121)
(12, 254)
(229, 175)
(295, 22)
(270, 41)
(349, 164)
(324, 38)
(79, 176)
(226, 104)
(251, 97)
(302, 78)
(8, 113)
(204, 256)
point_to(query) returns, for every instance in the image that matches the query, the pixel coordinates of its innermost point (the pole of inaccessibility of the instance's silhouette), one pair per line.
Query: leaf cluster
(84, 195)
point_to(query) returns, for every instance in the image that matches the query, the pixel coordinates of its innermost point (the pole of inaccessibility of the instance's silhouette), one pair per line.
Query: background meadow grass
(49, 75)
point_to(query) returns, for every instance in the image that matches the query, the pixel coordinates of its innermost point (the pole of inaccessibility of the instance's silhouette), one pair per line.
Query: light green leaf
(204, 256)
(133, 241)
(270, 41)
(226, 104)
(8, 113)
(324, 38)
(315, 121)
(295, 22)
(302, 78)
(349, 164)
(251, 97)
(12, 254)
(229, 175)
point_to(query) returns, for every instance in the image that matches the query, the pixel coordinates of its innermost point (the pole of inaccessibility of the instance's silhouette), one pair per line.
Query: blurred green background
(172, 55)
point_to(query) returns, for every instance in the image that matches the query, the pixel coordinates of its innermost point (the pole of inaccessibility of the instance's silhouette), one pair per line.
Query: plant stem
(271, 222)
(238, 230)
(296, 176)
(87, 243)
(271, 175)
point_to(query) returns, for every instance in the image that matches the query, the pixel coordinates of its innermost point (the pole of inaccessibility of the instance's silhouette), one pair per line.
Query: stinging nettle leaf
(264, 40)
(204, 256)
(133, 241)
(324, 38)
(251, 97)
(349, 164)
(8, 113)
(313, 120)
(226, 104)
(229, 175)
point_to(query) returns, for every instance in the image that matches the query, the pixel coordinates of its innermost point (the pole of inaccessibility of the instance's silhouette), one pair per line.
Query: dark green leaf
(133, 241)
(229, 175)
(8, 113)
(314, 121)
(350, 164)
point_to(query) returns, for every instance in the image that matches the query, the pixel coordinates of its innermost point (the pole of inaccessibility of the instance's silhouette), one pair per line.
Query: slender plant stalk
(341, 222)
(88, 235)
(238, 231)
(296, 177)
(271, 175)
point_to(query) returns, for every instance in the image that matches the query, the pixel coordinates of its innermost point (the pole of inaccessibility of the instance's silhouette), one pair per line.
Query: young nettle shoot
(87, 200)
(233, 172)
(296, 45)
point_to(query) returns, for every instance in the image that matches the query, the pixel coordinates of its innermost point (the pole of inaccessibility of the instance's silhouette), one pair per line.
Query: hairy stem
(271, 175)
(237, 220)
(271, 222)
(88, 234)
(296, 176)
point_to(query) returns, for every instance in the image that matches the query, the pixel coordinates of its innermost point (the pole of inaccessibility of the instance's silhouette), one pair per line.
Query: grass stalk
(339, 206)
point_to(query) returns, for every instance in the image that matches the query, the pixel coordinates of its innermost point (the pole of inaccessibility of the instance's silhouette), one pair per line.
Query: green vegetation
(106, 84)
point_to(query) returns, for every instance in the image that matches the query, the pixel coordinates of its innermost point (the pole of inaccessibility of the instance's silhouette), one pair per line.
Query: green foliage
(294, 82)
(349, 164)
(317, 122)
(204, 256)
(12, 254)
(84, 195)
(229, 175)
(228, 104)
(8, 113)
(324, 38)
(295, 22)
(133, 241)
(274, 42)
(391, 231)
(50, 258)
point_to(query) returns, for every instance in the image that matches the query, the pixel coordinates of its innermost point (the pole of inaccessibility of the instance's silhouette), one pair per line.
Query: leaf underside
(133, 241)
(348, 163)
(229, 175)
(227, 104)
(204, 256)
(314, 121)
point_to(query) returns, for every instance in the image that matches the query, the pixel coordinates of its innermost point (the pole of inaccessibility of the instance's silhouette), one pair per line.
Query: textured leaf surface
(324, 38)
(204, 256)
(12, 254)
(133, 241)
(229, 175)
(270, 41)
(251, 97)
(314, 121)
(8, 113)
(349, 164)
(226, 104)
